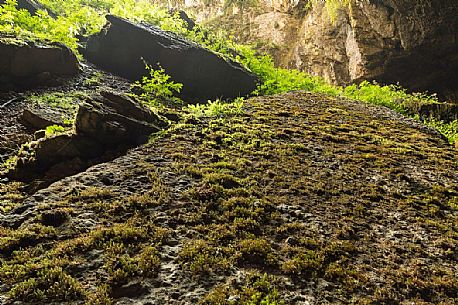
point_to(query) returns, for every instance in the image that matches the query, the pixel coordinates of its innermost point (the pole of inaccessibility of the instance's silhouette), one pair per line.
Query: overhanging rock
(22, 62)
(120, 47)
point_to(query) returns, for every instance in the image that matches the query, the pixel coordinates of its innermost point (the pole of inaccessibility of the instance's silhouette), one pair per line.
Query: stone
(130, 290)
(38, 157)
(446, 112)
(106, 124)
(122, 47)
(37, 119)
(114, 119)
(22, 61)
(412, 42)
(59, 148)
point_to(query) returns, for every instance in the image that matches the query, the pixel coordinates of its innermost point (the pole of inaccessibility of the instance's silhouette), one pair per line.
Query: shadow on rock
(121, 45)
(106, 126)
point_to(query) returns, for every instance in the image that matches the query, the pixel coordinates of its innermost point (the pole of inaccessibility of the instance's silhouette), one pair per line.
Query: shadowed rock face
(414, 43)
(105, 126)
(120, 47)
(23, 62)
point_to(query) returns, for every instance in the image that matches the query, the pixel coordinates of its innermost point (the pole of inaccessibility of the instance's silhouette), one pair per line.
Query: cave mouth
(425, 70)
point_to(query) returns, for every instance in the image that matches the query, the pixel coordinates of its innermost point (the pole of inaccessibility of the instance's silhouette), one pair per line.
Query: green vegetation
(275, 196)
(53, 130)
(250, 209)
(157, 88)
(65, 104)
(60, 100)
(257, 289)
(449, 130)
(20, 24)
(78, 17)
(216, 108)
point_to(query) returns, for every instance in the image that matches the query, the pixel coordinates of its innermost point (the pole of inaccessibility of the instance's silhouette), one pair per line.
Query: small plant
(54, 130)
(449, 130)
(202, 258)
(216, 108)
(157, 88)
(49, 284)
(64, 101)
(257, 290)
(94, 80)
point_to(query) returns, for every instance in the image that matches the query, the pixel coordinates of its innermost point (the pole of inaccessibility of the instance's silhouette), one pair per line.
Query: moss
(255, 289)
(121, 266)
(308, 263)
(11, 240)
(11, 195)
(203, 258)
(256, 252)
(304, 188)
(49, 284)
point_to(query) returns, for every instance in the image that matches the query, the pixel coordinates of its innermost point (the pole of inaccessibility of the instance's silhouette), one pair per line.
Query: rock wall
(413, 42)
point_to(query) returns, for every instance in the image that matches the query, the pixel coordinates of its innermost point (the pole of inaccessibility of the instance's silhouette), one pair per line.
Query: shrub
(157, 88)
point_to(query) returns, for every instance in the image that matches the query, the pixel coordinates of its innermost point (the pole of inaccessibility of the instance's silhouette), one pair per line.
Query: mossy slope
(303, 198)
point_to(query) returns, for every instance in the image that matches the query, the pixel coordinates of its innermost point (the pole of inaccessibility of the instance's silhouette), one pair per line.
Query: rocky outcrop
(122, 47)
(105, 126)
(411, 42)
(39, 118)
(24, 62)
(114, 120)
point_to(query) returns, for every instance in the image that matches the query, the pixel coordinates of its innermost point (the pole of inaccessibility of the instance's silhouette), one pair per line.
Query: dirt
(302, 199)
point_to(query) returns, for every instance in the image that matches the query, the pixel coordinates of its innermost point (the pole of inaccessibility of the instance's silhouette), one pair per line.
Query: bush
(157, 88)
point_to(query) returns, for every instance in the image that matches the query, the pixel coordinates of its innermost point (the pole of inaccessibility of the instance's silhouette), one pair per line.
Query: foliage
(449, 130)
(82, 17)
(216, 108)
(52, 283)
(77, 18)
(257, 290)
(53, 130)
(64, 101)
(157, 88)
(39, 27)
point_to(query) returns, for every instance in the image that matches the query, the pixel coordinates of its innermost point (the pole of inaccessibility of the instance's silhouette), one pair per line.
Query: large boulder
(113, 119)
(105, 126)
(122, 47)
(22, 61)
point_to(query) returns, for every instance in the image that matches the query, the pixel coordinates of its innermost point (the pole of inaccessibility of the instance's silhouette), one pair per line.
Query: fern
(157, 88)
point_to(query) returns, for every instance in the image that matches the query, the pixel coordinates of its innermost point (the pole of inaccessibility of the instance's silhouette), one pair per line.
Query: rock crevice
(106, 125)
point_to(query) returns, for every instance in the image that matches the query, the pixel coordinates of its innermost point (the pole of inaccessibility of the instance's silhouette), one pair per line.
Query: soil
(302, 199)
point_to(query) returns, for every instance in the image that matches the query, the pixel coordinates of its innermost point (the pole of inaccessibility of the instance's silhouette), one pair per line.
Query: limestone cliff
(413, 42)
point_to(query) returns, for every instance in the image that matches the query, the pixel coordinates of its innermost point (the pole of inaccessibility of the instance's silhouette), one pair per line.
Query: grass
(66, 103)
